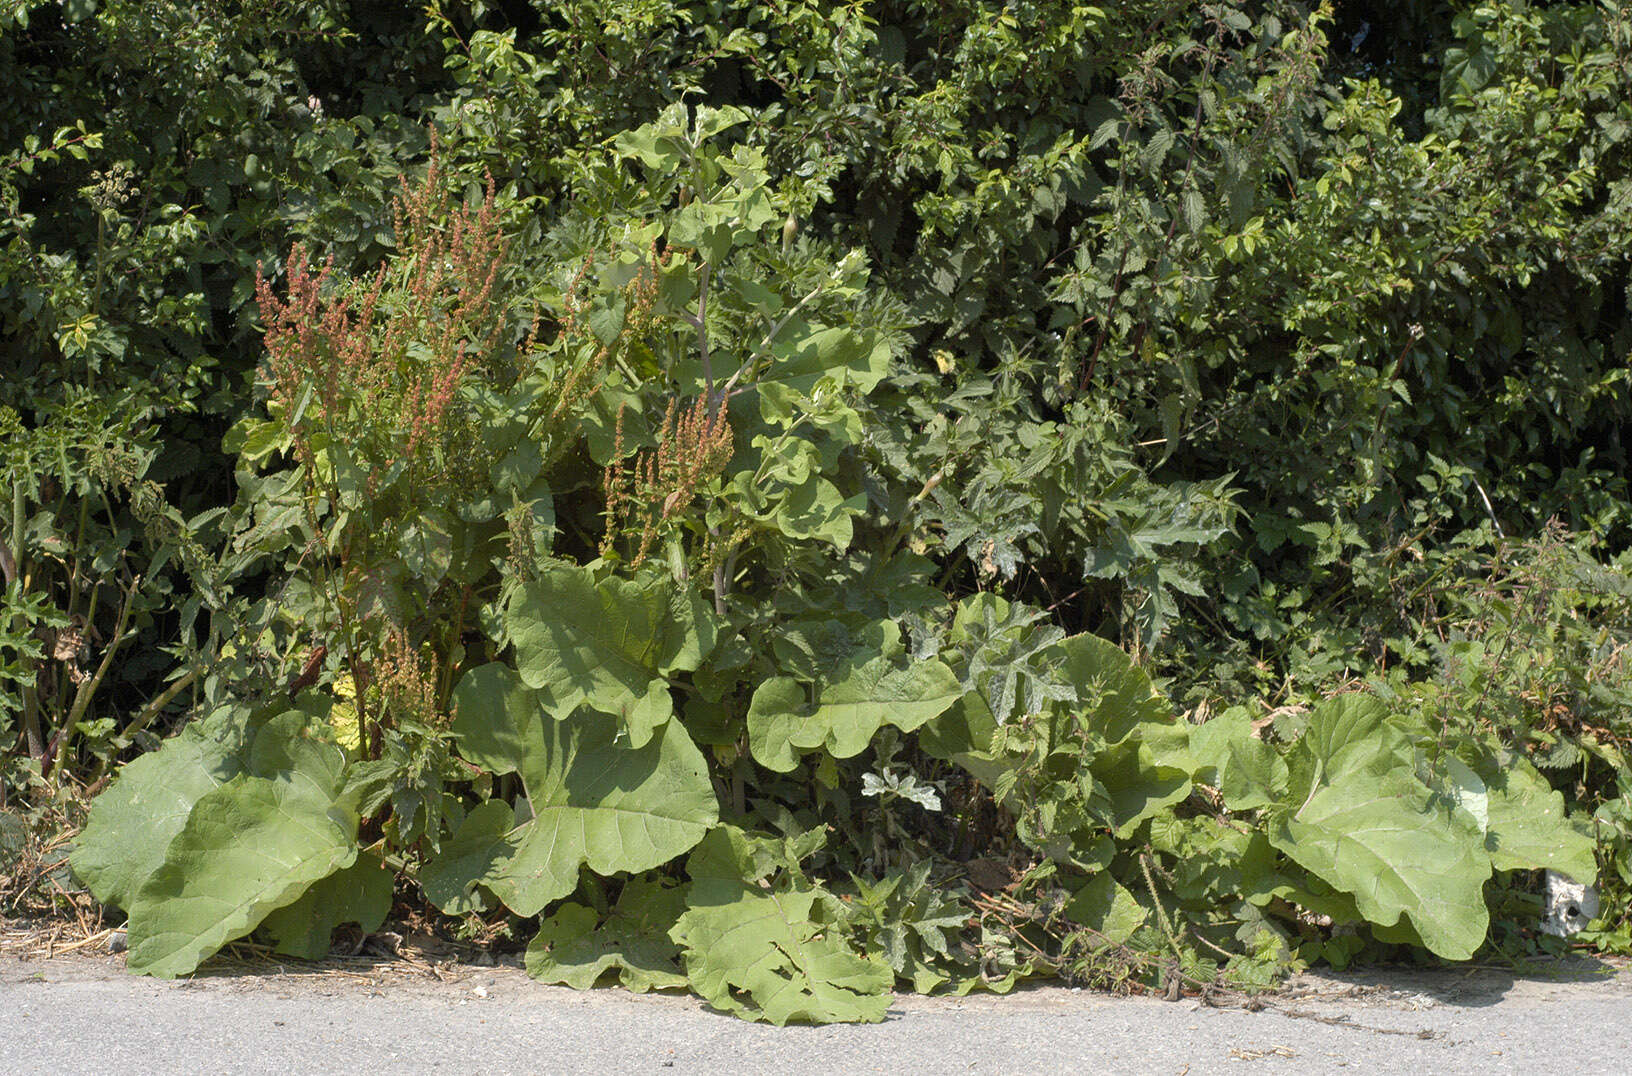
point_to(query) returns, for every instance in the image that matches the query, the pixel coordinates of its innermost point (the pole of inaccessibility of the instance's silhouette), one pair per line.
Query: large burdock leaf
(140, 813)
(590, 799)
(1527, 829)
(361, 894)
(1131, 785)
(852, 702)
(755, 952)
(607, 644)
(1117, 693)
(573, 948)
(253, 845)
(1367, 826)
(1244, 768)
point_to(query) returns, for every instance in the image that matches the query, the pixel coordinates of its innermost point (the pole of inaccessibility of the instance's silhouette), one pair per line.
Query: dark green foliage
(795, 451)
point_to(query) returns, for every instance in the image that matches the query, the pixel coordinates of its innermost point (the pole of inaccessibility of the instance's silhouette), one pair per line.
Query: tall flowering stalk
(659, 486)
(367, 378)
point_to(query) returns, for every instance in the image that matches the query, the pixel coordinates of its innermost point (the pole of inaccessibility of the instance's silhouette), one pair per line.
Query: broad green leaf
(1246, 770)
(1365, 824)
(1347, 733)
(477, 853)
(850, 706)
(133, 821)
(1399, 849)
(757, 953)
(360, 893)
(607, 644)
(1118, 694)
(572, 948)
(850, 358)
(593, 800)
(251, 846)
(1134, 786)
(1527, 828)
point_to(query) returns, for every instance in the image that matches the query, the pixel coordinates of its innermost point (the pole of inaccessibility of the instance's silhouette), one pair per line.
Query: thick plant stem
(87, 690)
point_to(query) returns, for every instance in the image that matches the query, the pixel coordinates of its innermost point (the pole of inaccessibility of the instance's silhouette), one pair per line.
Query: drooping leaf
(756, 952)
(1527, 828)
(1107, 909)
(573, 948)
(592, 800)
(1367, 826)
(360, 893)
(1247, 771)
(1132, 786)
(134, 820)
(251, 846)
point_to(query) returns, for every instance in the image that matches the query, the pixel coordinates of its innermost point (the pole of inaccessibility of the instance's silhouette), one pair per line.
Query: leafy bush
(785, 461)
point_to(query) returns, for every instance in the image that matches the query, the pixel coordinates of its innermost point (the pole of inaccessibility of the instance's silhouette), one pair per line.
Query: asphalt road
(84, 1014)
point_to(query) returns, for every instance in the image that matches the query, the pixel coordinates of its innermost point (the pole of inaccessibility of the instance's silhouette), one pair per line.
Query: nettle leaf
(360, 893)
(756, 952)
(1107, 909)
(141, 812)
(590, 799)
(1367, 826)
(911, 923)
(855, 698)
(607, 644)
(573, 948)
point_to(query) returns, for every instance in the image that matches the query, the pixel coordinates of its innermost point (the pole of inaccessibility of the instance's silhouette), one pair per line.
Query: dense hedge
(1285, 347)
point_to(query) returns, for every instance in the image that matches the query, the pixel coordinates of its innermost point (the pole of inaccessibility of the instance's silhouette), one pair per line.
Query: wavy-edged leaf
(134, 820)
(573, 948)
(1366, 825)
(594, 801)
(607, 644)
(360, 893)
(847, 711)
(755, 952)
(1527, 828)
(1399, 850)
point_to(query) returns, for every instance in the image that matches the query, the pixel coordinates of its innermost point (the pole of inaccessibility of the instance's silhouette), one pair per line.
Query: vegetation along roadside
(793, 502)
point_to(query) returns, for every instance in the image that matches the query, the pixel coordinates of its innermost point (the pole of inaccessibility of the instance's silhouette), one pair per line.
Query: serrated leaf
(573, 948)
(756, 953)
(1106, 908)
(251, 846)
(594, 800)
(1195, 212)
